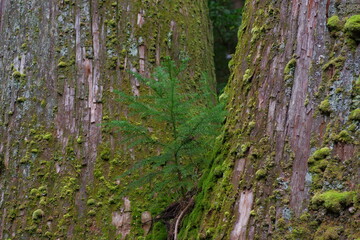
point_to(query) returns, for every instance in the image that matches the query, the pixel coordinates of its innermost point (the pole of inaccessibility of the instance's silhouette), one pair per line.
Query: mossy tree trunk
(287, 164)
(59, 63)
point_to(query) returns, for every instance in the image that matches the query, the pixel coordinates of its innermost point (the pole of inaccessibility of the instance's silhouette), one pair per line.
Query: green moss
(105, 154)
(252, 213)
(46, 136)
(280, 224)
(92, 213)
(318, 163)
(352, 27)
(43, 190)
(331, 233)
(43, 201)
(35, 150)
(300, 232)
(62, 64)
(111, 200)
(343, 136)
(356, 88)
(352, 127)
(91, 202)
(12, 214)
(305, 217)
(318, 166)
(37, 214)
(34, 192)
(79, 140)
(272, 213)
(43, 103)
(290, 66)
(22, 206)
(321, 153)
(247, 76)
(251, 125)
(337, 63)
(245, 147)
(333, 201)
(325, 107)
(255, 31)
(218, 171)
(328, 232)
(112, 62)
(260, 174)
(16, 74)
(334, 23)
(355, 115)
(24, 46)
(339, 90)
(111, 23)
(20, 99)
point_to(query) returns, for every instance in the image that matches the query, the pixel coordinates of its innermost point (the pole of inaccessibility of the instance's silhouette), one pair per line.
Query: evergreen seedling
(181, 126)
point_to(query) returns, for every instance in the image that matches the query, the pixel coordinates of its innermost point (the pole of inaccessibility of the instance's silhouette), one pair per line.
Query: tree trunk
(59, 63)
(238, 3)
(287, 164)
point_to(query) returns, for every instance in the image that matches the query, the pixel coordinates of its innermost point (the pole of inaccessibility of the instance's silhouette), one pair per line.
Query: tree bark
(238, 3)
(294, 89)
(59, 63)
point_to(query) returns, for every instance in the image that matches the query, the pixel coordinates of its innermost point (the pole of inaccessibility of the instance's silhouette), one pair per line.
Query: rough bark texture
(287, 164)
(238, 3)
(59, 62)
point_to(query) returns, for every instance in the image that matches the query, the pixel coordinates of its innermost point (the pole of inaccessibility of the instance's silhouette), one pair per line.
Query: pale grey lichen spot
(308, 179)
(133, 50)
(286, 213)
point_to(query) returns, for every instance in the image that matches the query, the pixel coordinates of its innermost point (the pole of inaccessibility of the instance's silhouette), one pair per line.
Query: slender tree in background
(225, 16)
